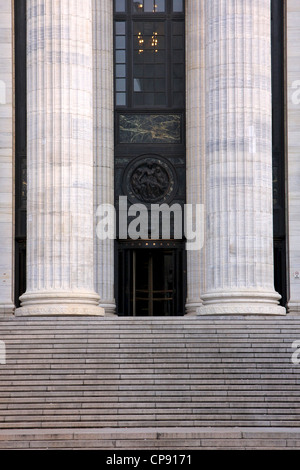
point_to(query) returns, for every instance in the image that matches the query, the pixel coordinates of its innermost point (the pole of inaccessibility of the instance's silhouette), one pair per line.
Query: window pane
(159, 71)
(120, 70)
(138, 27)
(178, 71)
(120, 27)
(138, 6)
(160, 99)
(178, 57)
(120, 99)
(120, 42)
(138, 99)
(120, 57)
(178, 42)
(155, 47)
(160, 57)
(138, 71)
(149, 98)
(120, 5)
(177, 5)
(137, 85)
(160, 85)
(148, 85)
(178, 99)
(178, 84)
(178, 28)
(149, 71)
(149, 6)
(160, 5)
(138, 58)
(120, 84)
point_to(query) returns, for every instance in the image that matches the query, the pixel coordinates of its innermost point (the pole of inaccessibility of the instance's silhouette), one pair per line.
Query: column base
(191, 307)
(109, 308)
(241, 309)
(59, 303)
(7, 309)
(246, 302)
(59, 309)
(294, 308)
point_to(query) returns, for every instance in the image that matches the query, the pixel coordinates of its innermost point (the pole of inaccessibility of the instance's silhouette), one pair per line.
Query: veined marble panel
(150, 128)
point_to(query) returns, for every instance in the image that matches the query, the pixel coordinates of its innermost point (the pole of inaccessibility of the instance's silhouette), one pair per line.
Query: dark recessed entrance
(151, 281)
(150, 161)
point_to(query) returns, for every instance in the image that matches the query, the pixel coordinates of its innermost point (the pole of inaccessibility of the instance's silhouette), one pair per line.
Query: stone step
(152, 439)
(100, 413)
(181, 401)
(41, 377)
(151, 423)
(71, 373)
(56, 406)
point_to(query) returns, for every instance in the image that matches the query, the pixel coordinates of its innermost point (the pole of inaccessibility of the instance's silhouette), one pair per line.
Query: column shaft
(195, 138)
(6, 161)
(104, 144)
(239, 233)
(60, 273)
(293, 110)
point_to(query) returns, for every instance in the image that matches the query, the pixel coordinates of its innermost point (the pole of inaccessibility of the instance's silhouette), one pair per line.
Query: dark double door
(151, 282)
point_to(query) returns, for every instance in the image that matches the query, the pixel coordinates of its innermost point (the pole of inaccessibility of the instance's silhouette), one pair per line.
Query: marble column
(60, 211)
(195, 139)
(239, 233)
(6, 160)
(293, 142)
(104, 145)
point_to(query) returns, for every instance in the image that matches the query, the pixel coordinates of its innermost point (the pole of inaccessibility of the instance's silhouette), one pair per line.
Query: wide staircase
(149, 383)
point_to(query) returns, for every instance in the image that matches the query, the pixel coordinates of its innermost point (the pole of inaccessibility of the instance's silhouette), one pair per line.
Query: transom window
(149, 53)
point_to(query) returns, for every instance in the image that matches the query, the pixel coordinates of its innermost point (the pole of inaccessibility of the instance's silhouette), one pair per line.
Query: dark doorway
(20, 149)
(151, 280)
(278, 136)
(153, 286)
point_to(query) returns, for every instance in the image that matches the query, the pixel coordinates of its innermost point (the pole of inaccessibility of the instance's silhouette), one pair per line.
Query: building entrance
(151, 281)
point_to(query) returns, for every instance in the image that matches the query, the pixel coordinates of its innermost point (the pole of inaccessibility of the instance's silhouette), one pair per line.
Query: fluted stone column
(239, 248)
(60, 159)
(6, 161)
(293, 151)
(195, 139)
(104, 144)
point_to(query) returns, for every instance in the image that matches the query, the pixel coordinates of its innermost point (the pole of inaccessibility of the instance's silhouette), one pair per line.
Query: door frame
(125, 271)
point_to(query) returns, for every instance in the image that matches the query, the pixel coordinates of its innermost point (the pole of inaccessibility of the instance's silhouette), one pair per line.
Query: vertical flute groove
(104, 145)
(239, 242)
(60, 159)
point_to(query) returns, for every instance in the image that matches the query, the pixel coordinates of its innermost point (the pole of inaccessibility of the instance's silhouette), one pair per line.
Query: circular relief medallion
(149, 179)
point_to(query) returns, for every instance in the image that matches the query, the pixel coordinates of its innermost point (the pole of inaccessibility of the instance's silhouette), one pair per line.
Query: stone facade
(6, 159)
(70, 156)
(238, 159)
(60, 257)
(293, 150)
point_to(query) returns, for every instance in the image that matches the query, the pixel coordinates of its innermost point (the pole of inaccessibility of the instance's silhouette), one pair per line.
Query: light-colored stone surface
(104, 145)
(231, 176)
(239, 235)
(6, 159)
(60, 235)
(195, 140)
(293, 151)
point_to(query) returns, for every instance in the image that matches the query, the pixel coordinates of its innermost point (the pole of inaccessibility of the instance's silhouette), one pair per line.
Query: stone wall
(6, 158)
(293, 151)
